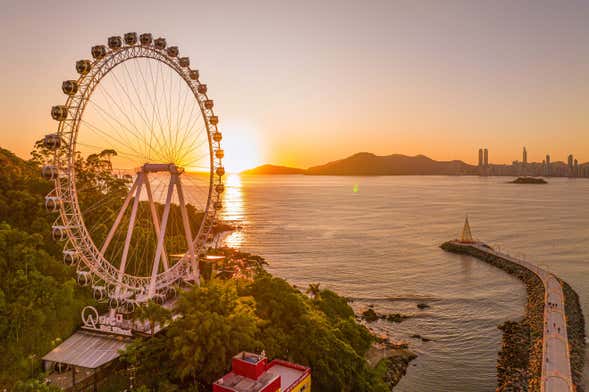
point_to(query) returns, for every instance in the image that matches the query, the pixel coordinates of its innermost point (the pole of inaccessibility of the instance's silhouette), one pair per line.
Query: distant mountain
(367, 164)
(273, 169)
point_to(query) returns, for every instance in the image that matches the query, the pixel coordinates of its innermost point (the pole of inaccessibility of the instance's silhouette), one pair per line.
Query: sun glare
(241, 145)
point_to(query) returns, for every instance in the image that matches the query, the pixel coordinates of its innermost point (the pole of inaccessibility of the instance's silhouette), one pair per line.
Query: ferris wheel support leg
(187, 232)
(160, 240)
(129, 234)
(155, 219)
(115, 225)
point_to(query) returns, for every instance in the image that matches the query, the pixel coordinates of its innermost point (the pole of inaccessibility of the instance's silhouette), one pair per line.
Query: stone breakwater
(576, 334)
(519, 365)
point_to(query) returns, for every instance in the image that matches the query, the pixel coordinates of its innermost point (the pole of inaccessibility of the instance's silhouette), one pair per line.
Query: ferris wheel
(137, 165)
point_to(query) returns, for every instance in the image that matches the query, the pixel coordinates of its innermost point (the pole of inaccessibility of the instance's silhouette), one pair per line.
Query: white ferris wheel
(137, 166)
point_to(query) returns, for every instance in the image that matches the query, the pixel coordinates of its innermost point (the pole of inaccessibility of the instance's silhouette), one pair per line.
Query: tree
(215, 325)
(154, 314)
(314, 290)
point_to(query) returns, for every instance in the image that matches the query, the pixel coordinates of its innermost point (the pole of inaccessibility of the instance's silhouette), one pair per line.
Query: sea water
(376, 240)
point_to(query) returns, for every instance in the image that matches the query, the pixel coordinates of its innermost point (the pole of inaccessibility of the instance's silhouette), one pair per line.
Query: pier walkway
(556, 364)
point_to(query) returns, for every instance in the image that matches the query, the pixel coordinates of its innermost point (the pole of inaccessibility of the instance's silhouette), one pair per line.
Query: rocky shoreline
(576, 334)
(390, 361)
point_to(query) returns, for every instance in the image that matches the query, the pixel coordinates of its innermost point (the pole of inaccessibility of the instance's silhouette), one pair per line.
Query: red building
(252, 373)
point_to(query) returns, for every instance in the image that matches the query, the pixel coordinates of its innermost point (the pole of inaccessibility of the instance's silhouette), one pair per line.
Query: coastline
(388, 359)
(523, 339)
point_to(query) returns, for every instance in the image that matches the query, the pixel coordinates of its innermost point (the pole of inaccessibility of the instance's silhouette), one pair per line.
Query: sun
(241, 145)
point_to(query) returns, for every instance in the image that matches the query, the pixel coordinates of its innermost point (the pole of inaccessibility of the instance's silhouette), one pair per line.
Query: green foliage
(319, 333)
(218, 321)
(40, 303)
(197, 348)
(39, 300)
(34, 385)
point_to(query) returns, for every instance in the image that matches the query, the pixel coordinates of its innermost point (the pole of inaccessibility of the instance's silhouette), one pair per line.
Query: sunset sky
(301, 83)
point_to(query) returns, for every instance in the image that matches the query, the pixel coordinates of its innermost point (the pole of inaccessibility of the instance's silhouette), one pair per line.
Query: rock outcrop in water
(528, 180)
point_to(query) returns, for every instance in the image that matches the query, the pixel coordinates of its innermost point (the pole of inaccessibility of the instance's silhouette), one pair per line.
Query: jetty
(556, 362)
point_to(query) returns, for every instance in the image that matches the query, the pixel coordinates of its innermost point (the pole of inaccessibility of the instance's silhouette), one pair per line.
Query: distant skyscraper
(486, 157)
(570, 165)
(525, 156)
(576, 168)
(547, 164)
(480, 157)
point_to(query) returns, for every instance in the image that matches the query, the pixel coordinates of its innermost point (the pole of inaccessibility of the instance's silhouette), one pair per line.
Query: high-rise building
(570, 165)
(547, 164)
(525, 156)
(576, 168)
(486, 157)
(480, 157)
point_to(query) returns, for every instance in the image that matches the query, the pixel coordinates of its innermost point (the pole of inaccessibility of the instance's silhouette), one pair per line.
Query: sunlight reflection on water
(233, 209)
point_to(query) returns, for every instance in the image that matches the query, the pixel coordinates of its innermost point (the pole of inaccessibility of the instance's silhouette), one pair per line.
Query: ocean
(376, 240)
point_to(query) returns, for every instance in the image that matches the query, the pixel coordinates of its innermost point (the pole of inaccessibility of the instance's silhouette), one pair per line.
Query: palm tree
(314, 290)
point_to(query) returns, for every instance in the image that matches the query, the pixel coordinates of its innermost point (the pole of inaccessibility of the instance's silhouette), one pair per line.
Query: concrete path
(556, 364)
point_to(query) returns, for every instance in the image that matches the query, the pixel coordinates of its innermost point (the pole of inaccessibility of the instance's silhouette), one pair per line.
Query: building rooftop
(290, 374)
(251, 373)
(87, 350)
(238, 383)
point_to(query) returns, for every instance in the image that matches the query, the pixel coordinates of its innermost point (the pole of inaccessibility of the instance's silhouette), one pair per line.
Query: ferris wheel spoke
(157, 111)
(194, 147)
(161, 103)
(150, 124)
(150, 94)
(124, 87)
(138, 135)
(112, 139)
(181, 107)
(169, 110)
(105, 115)
(187, 132)
(119, 151)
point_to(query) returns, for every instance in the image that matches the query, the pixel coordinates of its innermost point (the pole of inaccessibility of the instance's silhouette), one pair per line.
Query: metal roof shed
(88, 350)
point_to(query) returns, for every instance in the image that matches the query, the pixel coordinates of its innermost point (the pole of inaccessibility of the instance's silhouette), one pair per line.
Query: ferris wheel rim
(73, 221)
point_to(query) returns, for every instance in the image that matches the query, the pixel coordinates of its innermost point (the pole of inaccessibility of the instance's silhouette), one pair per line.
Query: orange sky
(302, 83)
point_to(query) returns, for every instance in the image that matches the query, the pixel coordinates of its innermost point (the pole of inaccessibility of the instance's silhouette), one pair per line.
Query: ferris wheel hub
(161, 167)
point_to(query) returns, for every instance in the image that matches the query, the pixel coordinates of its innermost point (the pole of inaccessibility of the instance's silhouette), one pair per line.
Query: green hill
(368, 164)
(39, 300)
